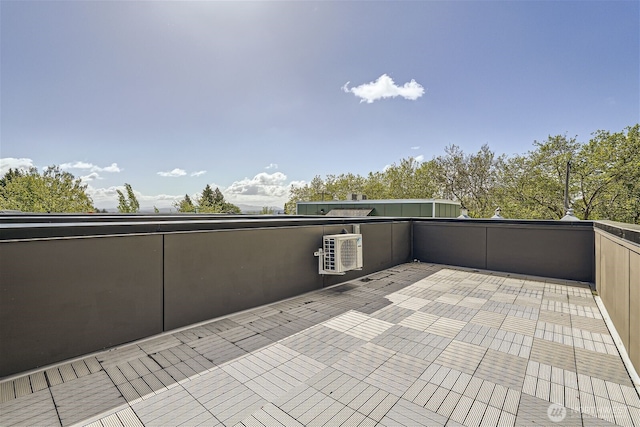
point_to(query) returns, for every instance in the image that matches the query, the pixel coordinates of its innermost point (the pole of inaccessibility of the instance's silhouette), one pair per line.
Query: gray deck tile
(436, 399)
(236, 408)
(120, 355)
(253, 342)
(295, 397)
(128, 392)
(571, 379)
(383, 407)
(322, 417)
(467, 356)
(485, 392)
(340, 418)
(86, 396)
(38, 381)
(179, 411)
(271, 415)
(409, 414)
(80, 368)
(267, 389)
(127, 370)
(161, 343)
(461, 356)
(175, 373)
(183, 368)
(461, 383)
(25, 410)
(356, 419)
(150, 364)
(425, 394)
(449, 404)
(365, 393)
(111, 421)
(604, 366)
(307, 413)
(373, 401)
(588, 421)
(53, 377)
(7, 391)
(533, 411)
(476, 412)
(461, 410)
(473, 388)
(415, 389)
(506, 419)
(490, 417)
(634, 412)
(22, 386)
(139, 368)
(141, 387)
(502, 368)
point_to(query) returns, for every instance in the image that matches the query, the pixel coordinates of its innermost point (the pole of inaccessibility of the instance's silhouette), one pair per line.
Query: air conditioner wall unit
(340, 253)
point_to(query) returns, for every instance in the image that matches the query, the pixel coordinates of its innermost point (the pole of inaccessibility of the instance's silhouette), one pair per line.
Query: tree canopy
(128, 203)
(210, 201)
(604, 180)
(52, 191)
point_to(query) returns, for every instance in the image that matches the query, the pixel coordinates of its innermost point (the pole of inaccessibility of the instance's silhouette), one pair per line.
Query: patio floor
(417, 344)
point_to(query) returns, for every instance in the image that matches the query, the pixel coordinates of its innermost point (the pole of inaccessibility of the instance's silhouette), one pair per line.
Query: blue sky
(253, 97)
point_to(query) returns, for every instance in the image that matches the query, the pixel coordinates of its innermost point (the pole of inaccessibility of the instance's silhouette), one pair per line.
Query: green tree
(532, 185)
(266, 210)
(606, 175)
(128, 203)
(185, 205)
(53, 191)
(212, 201)
(401, 180)
(207, 199)
(604, 181)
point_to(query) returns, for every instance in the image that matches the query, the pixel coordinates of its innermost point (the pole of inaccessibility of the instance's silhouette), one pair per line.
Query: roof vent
(464, 213)
(497, 215)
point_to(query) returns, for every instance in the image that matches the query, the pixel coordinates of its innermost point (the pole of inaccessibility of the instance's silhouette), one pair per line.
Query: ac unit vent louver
(340, 253)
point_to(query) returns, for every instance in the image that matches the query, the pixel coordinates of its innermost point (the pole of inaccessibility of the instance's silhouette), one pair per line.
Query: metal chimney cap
(570, 216)
(497, 215)
(464, 213)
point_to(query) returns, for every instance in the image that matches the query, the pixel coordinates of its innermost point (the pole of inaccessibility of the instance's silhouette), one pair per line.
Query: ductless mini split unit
(340, 253)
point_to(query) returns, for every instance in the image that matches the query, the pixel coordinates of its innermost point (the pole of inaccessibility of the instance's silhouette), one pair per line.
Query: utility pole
(566, 188)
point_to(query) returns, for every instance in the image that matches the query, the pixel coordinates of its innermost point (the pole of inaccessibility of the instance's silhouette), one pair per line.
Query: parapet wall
(69, 287)
(72, 287)
(618, 280)
(558, 249)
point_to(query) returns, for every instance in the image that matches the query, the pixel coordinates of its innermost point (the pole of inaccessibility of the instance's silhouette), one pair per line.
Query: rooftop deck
(417, 344)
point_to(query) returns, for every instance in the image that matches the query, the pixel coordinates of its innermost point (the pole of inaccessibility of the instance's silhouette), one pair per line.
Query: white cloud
(261, 184)
(419, 158)
(173, 173)
(92, 176)
(264, 189)
(199, 173)
(13, 163)
(113, 168)
(272, 166)
(91, 167)
(416, 147)
(384, 87)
